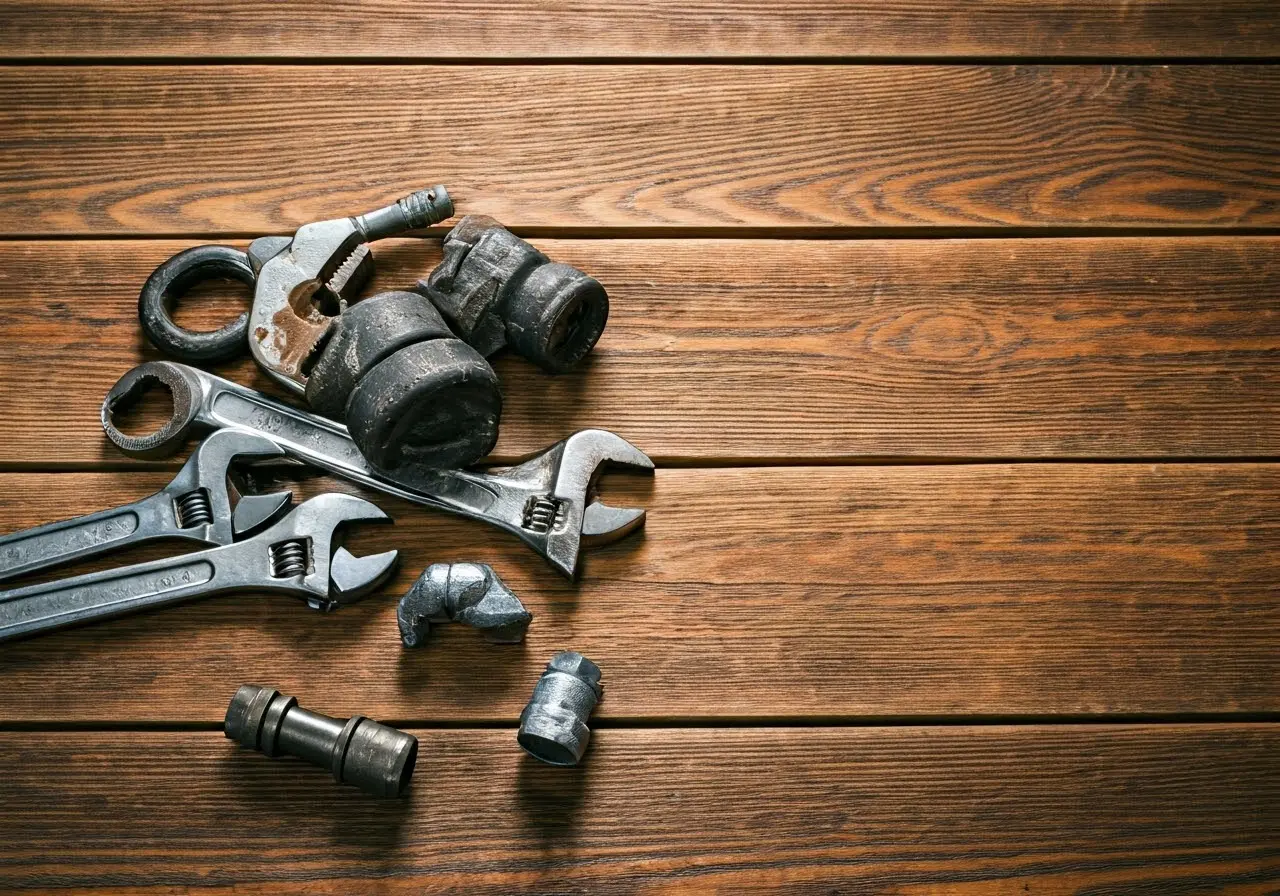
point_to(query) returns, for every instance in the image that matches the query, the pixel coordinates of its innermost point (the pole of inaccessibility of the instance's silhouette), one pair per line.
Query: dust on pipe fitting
(358, 751)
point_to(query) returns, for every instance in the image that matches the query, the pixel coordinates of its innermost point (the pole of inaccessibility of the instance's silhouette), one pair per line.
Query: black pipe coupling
(358, 751)
(553, 726)
(470, 593)
(411, 393)
(495, 290)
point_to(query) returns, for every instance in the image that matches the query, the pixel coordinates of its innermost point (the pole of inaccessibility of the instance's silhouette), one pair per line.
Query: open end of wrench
(130, 389)
(586, 455)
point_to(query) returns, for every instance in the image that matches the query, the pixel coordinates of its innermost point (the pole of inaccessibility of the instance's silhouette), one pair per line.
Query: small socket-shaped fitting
(470, 593)
(496, 290)
(358, 751)
(553, 727)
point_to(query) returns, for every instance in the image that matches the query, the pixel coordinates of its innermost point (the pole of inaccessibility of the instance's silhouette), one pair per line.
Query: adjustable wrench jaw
(201, 485)
(304, 554)
(558, 514)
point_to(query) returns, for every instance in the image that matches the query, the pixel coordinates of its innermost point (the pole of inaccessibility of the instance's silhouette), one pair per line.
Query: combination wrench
(195, 506)
(543, 501)
(297, 555)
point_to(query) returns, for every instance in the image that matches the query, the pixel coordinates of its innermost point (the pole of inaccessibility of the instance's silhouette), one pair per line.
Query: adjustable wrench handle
(102, 595)
(62, 542)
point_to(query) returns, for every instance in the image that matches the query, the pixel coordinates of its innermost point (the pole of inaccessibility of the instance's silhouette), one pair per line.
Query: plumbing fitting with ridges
(553, 726)
(358, 751)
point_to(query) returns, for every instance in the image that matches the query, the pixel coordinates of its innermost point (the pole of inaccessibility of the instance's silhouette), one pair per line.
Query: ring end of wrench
(130, 388)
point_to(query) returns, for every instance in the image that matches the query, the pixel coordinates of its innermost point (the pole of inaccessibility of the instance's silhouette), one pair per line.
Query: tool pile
(403, 399)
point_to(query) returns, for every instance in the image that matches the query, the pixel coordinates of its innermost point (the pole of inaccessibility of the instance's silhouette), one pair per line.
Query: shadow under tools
(285, 794)
(497, 668)
(551, 799)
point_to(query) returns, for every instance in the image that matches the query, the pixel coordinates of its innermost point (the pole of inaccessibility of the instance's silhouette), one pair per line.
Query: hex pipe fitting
(470, 593)
(497, 290)
(358, 751)
(553, 726)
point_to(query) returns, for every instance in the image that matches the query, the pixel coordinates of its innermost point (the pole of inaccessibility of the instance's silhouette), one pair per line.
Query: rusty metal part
(376, 758)
(470, 593)
(547, 501)
(299, 555)
(304, 285)
(553, 726)
(496, 290)
(195, 506)
(300, 284)
(431, 405)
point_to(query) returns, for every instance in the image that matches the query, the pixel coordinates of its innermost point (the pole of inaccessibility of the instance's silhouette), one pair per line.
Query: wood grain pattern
(528, 29)
(1166, 809)
(778, 593)
(247, 150)
(792, 350)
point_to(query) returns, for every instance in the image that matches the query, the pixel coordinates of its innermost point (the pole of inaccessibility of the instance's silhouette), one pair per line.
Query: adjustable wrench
(297, 555)
(542, 501)
(195, 506)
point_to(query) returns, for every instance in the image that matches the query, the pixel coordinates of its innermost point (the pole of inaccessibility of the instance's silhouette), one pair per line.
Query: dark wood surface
(993, 809)
(782, 351)
(652, 29)
(762, 592)
(955, 331)
(246, 149)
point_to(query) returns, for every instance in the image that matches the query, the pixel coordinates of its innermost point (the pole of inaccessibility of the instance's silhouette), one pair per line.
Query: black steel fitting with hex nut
(496, 290)
(553, 726)
(358, 751)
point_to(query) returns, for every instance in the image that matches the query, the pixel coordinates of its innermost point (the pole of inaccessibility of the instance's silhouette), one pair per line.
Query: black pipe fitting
(411, 393)
(495, 290)
(358, 751)
(553, 726)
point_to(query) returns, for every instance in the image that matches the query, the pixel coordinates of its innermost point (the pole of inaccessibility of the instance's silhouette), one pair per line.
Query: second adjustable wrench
(300, 554)
(195, 506)
(545, 501)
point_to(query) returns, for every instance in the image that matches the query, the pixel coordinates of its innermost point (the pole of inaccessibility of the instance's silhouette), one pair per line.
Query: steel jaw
(299, 555)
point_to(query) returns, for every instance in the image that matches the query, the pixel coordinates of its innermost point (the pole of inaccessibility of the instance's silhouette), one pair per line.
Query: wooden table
(954, 329)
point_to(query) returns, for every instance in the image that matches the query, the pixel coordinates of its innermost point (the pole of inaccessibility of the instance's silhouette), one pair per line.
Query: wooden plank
(1170, 809)
(244, 149)
(867, 592)
(530, 29)
(792, 350)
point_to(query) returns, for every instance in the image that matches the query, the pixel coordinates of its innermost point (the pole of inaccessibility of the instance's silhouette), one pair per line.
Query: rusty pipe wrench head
(300, 284)
(546, 501)
(195, 506)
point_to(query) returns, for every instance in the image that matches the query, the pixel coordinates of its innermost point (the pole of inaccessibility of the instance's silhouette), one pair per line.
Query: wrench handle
(103, 595)
(84, 536)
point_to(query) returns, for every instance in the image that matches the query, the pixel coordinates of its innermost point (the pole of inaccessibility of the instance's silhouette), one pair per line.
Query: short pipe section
(358, 751)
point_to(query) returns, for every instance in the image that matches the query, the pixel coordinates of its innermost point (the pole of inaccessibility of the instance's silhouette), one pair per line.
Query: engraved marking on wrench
(69, 601)
(91, 535)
